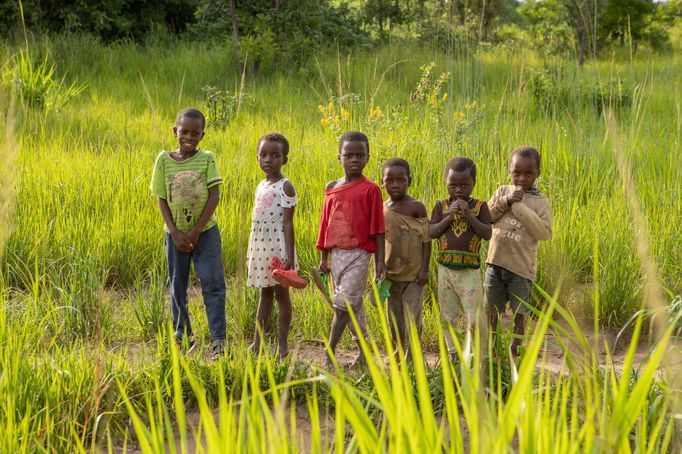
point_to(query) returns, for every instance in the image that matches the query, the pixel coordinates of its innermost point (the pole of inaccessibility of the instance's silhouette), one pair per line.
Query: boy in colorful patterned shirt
(351, 230)
(186, 182)
(459, 223)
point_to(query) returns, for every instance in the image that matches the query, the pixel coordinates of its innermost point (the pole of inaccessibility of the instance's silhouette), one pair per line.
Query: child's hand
(423, 277)
(461, 207)
(193, 237)
(181, 241)
(324, 269)
(380, 271)
(515, 196)
(289, 264)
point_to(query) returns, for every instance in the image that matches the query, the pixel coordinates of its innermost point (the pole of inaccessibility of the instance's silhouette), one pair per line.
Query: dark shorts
(501, 285)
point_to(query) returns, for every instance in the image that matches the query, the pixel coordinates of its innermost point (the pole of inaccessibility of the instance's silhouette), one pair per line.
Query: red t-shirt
(352, 214)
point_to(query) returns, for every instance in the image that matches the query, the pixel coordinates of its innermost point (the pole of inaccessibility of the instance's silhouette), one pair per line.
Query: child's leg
(283, 319)
(267, 294)
(349, 272)
(178, 274)
(471, 295)
(208, 264)
(519, 332)
(413, 310)
(449, 302)
(495, 290)
(519, 291)
(395, 315)
(339, 323)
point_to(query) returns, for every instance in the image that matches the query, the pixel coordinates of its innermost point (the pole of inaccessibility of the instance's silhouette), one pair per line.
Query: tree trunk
(235, 35)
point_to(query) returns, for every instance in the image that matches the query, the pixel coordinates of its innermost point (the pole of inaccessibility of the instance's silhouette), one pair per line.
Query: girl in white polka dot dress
(272, 235)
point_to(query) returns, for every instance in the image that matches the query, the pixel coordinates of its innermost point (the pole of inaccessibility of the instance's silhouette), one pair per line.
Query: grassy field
(83, 274)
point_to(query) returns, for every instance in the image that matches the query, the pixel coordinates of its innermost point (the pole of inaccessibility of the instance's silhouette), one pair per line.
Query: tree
(626, 18)
(584, 15)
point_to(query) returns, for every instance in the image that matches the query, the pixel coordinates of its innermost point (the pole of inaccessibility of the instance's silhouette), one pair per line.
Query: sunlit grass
(85, 361)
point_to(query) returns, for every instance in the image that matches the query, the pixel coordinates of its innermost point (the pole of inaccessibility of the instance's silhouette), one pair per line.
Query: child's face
(460, 184)
(353, 157)
(523, 171)
(271, 157)
(396, 181)
(189, 132)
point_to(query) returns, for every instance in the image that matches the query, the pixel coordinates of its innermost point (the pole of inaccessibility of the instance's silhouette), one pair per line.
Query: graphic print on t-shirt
(340, 228)
(185, 188)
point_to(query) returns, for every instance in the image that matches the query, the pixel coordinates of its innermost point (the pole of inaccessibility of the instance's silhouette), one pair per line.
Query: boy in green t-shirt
(186, 182)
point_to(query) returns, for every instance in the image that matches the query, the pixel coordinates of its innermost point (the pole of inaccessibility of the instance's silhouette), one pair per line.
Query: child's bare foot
(360, 362)
(328, 362)
(283, 353)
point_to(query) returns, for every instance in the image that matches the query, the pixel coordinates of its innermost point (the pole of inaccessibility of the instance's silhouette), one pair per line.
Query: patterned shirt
(459, 246)
(184, 185)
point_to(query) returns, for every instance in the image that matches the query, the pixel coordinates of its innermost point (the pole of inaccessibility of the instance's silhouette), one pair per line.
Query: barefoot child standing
(459, 223)
(408, 251)
(272, 235)
(186, 182)
(521, 217)
(351, 229)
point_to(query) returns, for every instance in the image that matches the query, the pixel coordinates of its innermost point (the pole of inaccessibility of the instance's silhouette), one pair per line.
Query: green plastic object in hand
(384, 289)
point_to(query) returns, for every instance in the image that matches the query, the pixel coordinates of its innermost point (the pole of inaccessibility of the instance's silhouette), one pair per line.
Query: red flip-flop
(276, 264)
(289, 278)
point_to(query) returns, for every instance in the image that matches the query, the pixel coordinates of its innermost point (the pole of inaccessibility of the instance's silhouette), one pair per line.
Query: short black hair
(526, 152)
(277, 138)
(191, 113)
(353, 136)
(460, 164)
(397, 162)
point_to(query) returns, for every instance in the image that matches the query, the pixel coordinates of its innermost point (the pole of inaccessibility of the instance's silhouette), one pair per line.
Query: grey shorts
(501, 285)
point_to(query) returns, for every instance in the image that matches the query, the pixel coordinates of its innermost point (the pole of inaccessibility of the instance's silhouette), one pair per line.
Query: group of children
(355, 225)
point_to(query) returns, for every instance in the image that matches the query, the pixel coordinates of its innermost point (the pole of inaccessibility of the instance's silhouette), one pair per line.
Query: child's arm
(498, 204)
(439, 222)
(180, 239)
(380, 270)
(539, 225)
(423, 275)
(209, 209)
(289, 239)
(324, 259)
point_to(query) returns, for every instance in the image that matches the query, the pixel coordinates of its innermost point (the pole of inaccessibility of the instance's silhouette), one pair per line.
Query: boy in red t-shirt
(351, 229)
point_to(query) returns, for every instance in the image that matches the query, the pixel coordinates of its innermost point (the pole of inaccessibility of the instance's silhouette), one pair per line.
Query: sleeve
(376, 211)
(436, 213)
(424, 231)
(158, 183)
(213, 177)
(324, 223)
(484, 214)
(539, 224)
(289, 201)
(498, 204)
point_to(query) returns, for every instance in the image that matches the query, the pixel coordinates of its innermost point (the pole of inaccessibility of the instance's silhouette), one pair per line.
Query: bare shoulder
(288, 188)
(331, 184)
(419, 208)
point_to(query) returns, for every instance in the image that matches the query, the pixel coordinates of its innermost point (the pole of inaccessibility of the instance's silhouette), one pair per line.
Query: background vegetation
(88, 97)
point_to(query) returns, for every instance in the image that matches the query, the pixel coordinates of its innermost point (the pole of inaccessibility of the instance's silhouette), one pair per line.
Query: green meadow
(85, 363)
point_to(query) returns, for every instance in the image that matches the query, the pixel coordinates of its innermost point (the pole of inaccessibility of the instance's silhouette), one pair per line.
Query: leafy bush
(37, 84)
(552, 90)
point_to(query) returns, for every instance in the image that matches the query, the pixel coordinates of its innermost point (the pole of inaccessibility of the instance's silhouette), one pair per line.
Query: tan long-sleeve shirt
(517, 229)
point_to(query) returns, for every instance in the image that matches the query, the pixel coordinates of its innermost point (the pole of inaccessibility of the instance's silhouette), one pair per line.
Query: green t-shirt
(184, 185)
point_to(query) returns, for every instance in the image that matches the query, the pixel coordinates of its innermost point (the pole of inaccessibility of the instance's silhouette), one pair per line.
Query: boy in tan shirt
(521, 217)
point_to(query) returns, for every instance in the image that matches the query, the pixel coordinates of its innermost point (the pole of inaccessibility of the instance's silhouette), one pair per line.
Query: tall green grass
(85, 362)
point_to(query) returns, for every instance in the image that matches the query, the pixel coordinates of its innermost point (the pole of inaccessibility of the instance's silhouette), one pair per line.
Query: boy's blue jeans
(208, 265)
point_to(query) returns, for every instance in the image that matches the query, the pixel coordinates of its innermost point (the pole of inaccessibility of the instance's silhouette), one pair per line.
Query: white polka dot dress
(267, 232)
